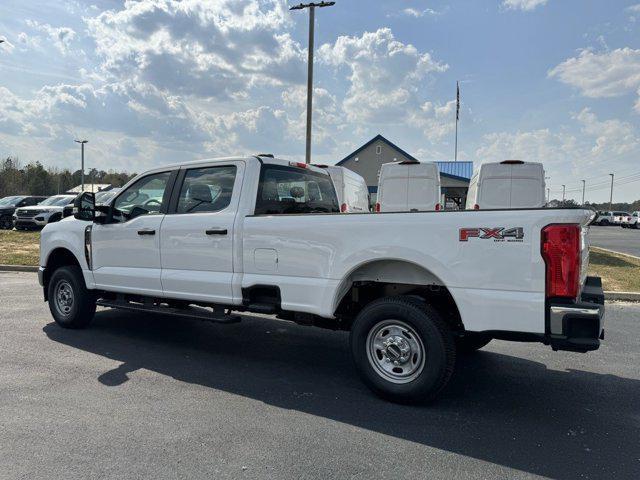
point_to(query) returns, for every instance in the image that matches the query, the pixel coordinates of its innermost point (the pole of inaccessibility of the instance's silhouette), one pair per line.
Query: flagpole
(457, 117)
(456, 154)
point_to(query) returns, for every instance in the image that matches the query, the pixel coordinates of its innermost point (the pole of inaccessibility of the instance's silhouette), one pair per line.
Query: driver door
(126, 249)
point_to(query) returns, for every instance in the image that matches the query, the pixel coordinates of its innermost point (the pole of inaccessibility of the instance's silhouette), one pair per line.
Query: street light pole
(548, 192)
(312, 13)
(611, 196)
(82, 142)
(563, 190)
(583, 186)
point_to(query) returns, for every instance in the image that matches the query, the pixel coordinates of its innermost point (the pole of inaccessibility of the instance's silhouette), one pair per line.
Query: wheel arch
(385, 277)
(58, 257)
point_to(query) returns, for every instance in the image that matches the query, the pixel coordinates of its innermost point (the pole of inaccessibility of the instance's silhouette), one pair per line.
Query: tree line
(619, 206)
(35, 179)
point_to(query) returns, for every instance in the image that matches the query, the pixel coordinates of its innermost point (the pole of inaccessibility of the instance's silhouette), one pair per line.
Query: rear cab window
(292, 190)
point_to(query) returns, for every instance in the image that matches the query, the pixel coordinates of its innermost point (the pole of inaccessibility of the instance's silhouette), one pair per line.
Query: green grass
(19, 248)
(619, 273)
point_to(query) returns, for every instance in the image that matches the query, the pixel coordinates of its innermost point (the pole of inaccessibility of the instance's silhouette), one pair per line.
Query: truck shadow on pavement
(498, 408)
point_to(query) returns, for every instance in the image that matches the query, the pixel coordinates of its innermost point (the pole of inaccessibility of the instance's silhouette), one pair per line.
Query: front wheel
(403, 350)
(604, 223)
(71, 304)
(6, 223)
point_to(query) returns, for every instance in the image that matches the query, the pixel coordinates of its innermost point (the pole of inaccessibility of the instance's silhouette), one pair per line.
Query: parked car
(37, 216)
(507, 184)
(352, 190)
(408, 186)
(604, 218)
(102, 198)
(414, 288)
(630, 221)
(8, 206)
(619, 216)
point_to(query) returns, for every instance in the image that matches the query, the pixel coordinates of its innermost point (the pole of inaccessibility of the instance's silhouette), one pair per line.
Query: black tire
(6, 223)
(432, 368)
(78, 312)
(471, 342)
(604, 223)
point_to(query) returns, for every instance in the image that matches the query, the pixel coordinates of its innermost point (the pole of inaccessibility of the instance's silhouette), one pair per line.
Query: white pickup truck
(256, 234)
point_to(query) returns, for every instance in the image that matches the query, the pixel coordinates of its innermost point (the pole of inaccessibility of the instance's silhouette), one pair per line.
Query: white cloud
(61, 37)
(526, 5)
(533, 146)
(596, 148)
(384, 74)
(609, 137)
(415, 13)
(607, 74)
(215, 49)
(634, 8)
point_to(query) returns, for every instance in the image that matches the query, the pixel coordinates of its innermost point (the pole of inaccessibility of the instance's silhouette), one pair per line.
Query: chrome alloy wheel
(395, 351)
(64, 297)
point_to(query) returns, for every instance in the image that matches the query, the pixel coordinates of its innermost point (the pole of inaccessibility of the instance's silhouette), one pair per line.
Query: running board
(199, 313)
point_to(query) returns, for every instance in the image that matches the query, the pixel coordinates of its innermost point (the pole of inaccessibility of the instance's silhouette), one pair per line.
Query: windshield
(57, 201)
(10, 201)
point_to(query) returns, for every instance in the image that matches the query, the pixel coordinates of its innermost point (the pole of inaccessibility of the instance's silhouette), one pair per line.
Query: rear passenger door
(197, 236)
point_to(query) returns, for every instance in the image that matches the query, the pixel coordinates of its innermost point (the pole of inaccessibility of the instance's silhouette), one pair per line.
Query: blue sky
(156, 81)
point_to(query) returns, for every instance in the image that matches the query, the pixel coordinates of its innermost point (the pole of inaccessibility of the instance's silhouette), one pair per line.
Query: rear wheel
(471, 342)
(71, 304)
(402, 349)
(604, 223)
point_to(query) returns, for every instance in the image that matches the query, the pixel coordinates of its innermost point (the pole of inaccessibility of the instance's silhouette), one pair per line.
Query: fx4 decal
(498, 234)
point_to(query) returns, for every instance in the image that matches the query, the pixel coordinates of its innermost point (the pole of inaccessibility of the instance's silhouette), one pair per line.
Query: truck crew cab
(255, 234)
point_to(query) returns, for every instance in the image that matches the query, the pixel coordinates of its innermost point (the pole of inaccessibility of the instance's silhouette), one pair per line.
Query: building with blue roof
(367, 160)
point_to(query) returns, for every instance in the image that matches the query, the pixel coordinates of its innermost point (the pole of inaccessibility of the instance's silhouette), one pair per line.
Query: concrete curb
(614, 252)
(18, 268)
(622, 296)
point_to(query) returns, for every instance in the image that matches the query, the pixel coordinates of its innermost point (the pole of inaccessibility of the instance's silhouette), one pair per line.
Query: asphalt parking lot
(141, 396)
(618, 239)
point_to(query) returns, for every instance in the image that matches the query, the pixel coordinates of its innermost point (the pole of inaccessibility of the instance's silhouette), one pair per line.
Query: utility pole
(563, 190)
(611, 196)
(312, 16)
(583, 186)
(455, 158)
(82, 142)
(548, 192)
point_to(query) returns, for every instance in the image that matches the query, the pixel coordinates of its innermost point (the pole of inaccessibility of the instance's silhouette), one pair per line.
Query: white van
(351, 189)
(508, 184)
(408, 187)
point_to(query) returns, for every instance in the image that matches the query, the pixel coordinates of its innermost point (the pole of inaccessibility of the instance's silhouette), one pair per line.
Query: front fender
(67, 235)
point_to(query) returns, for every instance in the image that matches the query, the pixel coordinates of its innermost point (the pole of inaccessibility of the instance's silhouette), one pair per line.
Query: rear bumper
(578, 326)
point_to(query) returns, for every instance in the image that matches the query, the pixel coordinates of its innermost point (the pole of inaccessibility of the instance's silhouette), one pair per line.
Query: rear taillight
(438, 207)
(343, 208)
(476, 207)
(561, 253)
(377, 207)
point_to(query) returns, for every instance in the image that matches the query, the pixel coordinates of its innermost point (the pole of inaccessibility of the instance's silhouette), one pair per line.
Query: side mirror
(84, 206)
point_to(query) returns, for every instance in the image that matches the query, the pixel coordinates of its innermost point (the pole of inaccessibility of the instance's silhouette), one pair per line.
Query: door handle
(146, 231)
(216, 231)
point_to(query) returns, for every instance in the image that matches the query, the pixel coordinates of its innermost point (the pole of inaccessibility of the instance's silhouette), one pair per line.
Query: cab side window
(290, 190)
(206, 189)
(144, 197)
